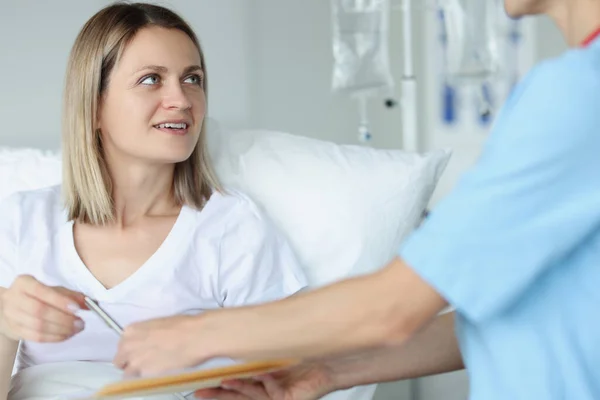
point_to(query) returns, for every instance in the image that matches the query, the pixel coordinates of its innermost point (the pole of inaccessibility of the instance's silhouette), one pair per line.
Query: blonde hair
(87, 187)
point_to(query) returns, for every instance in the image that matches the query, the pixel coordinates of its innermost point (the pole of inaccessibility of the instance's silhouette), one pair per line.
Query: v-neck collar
(160, 259)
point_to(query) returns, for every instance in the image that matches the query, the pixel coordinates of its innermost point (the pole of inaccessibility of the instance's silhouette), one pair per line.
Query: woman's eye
(194, 79)
(150, 80)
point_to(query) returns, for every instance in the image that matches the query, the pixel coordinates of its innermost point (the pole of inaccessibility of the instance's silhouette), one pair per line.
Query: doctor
(515, 249)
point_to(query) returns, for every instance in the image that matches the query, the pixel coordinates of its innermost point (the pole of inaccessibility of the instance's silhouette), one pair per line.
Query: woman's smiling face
(154, 104)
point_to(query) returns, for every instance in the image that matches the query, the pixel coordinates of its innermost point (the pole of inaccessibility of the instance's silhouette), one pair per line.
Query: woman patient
(140, 223)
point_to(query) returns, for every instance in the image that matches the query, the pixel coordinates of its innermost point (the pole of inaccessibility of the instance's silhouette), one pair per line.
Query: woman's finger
(46, 312)
(39, 337)
(77, 297)
(64, 300)
(33, 323)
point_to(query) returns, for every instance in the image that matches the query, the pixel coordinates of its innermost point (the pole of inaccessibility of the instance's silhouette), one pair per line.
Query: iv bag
(472, 39)
(360, 46)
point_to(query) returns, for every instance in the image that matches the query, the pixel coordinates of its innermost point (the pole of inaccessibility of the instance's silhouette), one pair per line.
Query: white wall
(269, 66)
(34, 47)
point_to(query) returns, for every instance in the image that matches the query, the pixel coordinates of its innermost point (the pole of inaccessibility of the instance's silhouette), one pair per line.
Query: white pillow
(344, 208)
(27, 169)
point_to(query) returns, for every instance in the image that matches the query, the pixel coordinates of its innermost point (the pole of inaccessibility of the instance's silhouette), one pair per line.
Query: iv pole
(409, 105)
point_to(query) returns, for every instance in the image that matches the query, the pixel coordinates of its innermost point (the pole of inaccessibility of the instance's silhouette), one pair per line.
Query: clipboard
(187, 381)
(176, 383)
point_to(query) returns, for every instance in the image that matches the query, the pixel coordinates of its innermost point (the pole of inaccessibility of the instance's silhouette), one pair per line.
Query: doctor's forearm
(353, 315)
(433, 350)
(321, 322)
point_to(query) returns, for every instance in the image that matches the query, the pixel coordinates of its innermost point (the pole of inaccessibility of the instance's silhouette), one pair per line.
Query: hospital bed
(344, 208)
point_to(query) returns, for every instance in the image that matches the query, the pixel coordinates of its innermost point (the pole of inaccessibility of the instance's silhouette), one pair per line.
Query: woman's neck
(141, 190)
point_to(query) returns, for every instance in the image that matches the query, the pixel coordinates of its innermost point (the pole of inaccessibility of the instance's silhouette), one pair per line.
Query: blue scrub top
(515, 248)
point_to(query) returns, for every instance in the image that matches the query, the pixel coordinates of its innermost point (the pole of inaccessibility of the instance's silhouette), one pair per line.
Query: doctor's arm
(383, 309)
(433, 350)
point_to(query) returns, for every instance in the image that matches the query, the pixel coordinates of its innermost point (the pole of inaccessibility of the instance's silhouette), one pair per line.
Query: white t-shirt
(226, 255)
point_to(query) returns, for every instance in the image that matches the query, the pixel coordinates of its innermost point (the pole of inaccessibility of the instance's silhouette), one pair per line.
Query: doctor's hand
(309, 381)
(161, 345)
(30, 310)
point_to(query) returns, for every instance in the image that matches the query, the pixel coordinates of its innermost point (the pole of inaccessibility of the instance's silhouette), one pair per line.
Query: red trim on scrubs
(591, 38)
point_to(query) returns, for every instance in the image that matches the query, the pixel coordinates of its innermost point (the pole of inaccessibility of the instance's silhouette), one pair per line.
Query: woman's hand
(304, 382)
(160, 345)
(30, 310)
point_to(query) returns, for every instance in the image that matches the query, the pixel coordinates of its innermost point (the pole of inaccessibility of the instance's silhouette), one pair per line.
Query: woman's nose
(176, 98)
